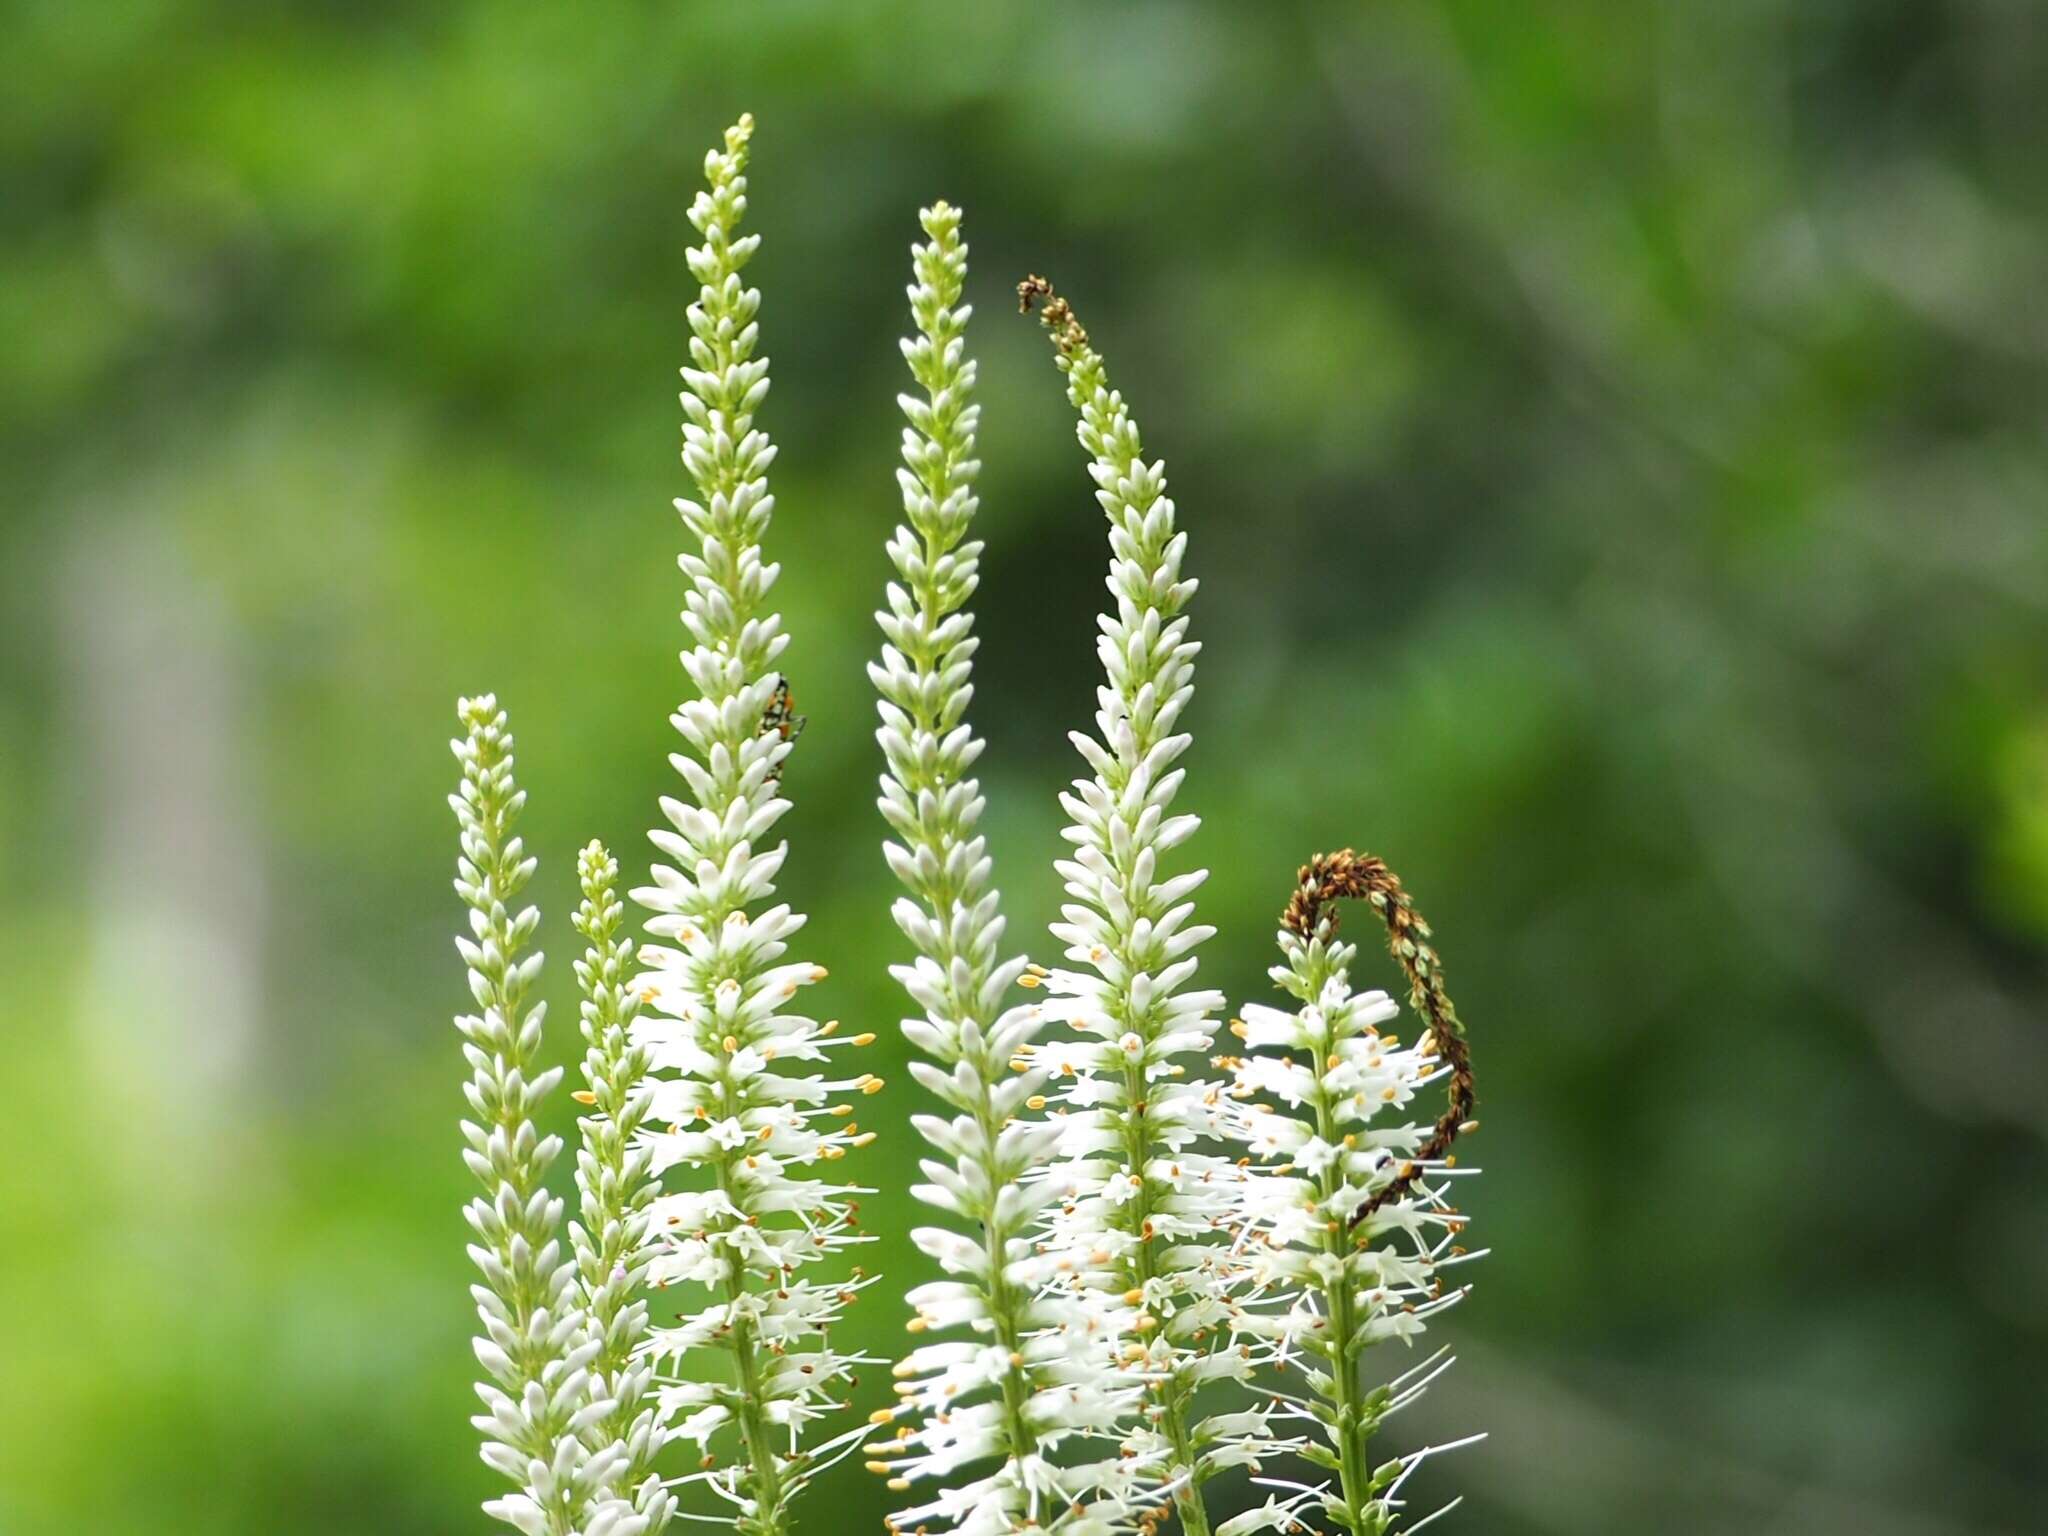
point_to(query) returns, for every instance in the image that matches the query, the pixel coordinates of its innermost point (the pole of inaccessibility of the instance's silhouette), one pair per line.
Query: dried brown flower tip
(1330, 877)
(1057, 314)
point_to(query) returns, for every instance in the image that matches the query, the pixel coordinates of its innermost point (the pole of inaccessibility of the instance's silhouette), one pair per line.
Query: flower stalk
(1038, 1371)
(1347, 1229)
(612, 1245)
(1135, 1172)
(744, 1116)
(540, 1406)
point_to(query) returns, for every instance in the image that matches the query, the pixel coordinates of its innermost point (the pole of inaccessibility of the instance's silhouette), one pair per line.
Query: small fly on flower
(781, 717)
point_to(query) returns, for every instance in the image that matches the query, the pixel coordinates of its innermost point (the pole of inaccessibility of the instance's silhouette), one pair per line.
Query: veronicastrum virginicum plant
(1156, 1265)
(546, 1412)
(1344, 1245)
(743, 1111)
(1026, 1386)
(1143, 1172)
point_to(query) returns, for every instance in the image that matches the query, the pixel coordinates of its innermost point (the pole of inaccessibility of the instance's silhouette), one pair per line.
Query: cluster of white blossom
(1157, 1265)
(1142, 1175)
(1032, 1397)
(1318, 1105)
(614, 1178)
(544, 1421)
(736, 1092)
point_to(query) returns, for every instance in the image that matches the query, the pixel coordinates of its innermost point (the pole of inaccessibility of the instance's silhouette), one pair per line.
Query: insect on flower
(781, 717)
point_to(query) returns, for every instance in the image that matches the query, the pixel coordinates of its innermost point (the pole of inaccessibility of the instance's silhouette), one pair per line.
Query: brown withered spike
(1057, 314)
(1331, 877)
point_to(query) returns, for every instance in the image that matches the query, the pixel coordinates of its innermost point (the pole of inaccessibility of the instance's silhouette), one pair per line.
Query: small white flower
(1314, 1155)
(702, 1425)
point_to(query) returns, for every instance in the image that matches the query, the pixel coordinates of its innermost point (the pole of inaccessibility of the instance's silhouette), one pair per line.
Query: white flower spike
(1017, 1415)
(612, 1242)
(745, 1109)
(1135, 1179)
(544, 1427)
(1346, 1230)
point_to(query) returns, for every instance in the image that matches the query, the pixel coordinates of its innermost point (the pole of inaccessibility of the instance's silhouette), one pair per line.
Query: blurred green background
(1612, 444)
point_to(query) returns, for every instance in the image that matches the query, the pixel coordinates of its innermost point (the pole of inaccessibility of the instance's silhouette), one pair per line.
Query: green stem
(1004, 1307)
(1173, 1423)
(762, 1478)
(1354, 1423)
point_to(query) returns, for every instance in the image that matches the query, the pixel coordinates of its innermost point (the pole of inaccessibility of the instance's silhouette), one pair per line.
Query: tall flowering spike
(1134, 1180)
(1345, 1223)
(1031, 1369)
(539, 1404)
(612, 1244)
(753, 1365)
